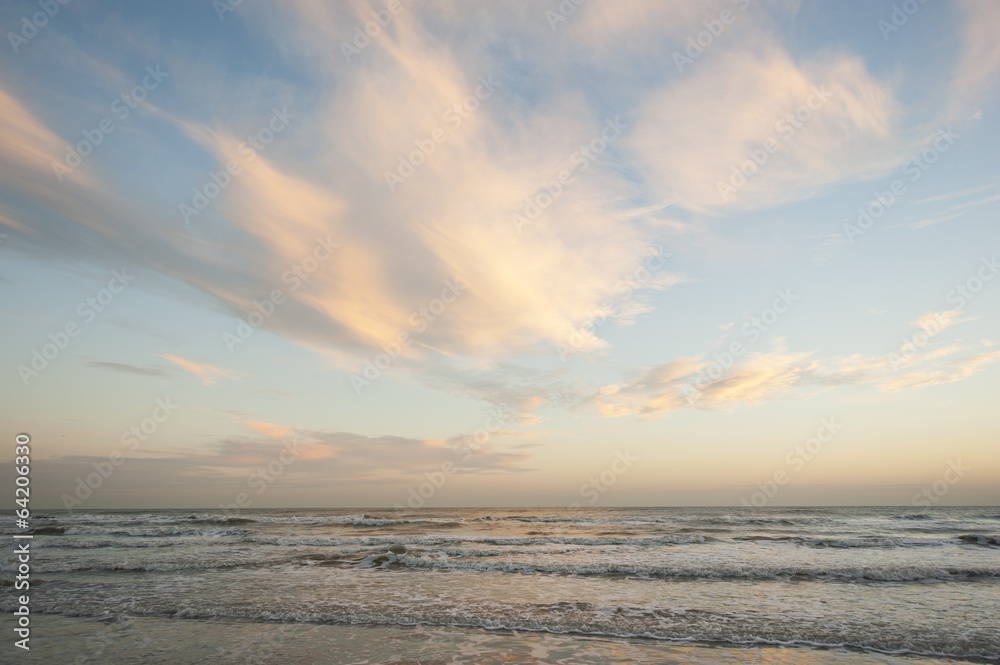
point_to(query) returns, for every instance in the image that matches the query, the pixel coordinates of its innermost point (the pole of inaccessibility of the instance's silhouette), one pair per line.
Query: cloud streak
(207, 373)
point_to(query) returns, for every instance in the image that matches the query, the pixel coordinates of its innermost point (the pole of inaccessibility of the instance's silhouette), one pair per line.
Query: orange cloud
(269, 429)
(207, 373)
(779, 375)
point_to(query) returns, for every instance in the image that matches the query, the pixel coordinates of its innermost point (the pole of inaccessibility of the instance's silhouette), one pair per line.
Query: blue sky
(513, 240)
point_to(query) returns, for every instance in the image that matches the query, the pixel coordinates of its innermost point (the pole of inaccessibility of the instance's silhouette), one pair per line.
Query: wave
(478, 561)
(726, 520)
(916, 516)
(171, 565)
(78, 537)
(134, 566)
(359, 519)
(973, 539)
(513, 541)
(100, 518)
(122, 543)
(350, 556)
(879, 542)
(125, 532)
(715, 523)
(355, 520)
(760, 572)
(182, 522)
(872, 542)
(346, 520)
(219, 520)
(154, 532)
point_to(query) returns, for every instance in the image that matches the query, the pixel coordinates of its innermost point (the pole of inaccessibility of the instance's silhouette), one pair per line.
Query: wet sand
(152, 641)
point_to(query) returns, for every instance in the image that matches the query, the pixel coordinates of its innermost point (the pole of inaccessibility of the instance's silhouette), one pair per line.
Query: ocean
(523, 585)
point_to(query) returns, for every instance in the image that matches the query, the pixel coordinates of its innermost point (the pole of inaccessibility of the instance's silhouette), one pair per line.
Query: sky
(581, 253)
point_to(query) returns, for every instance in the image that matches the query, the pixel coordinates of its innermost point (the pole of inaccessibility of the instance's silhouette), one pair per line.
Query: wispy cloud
(979, 67)
(781, 375)
(158, 372)
(689, 139)
(930, 221)
(976, 203)
(207, 373)
(270, 430)
(957, 194)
